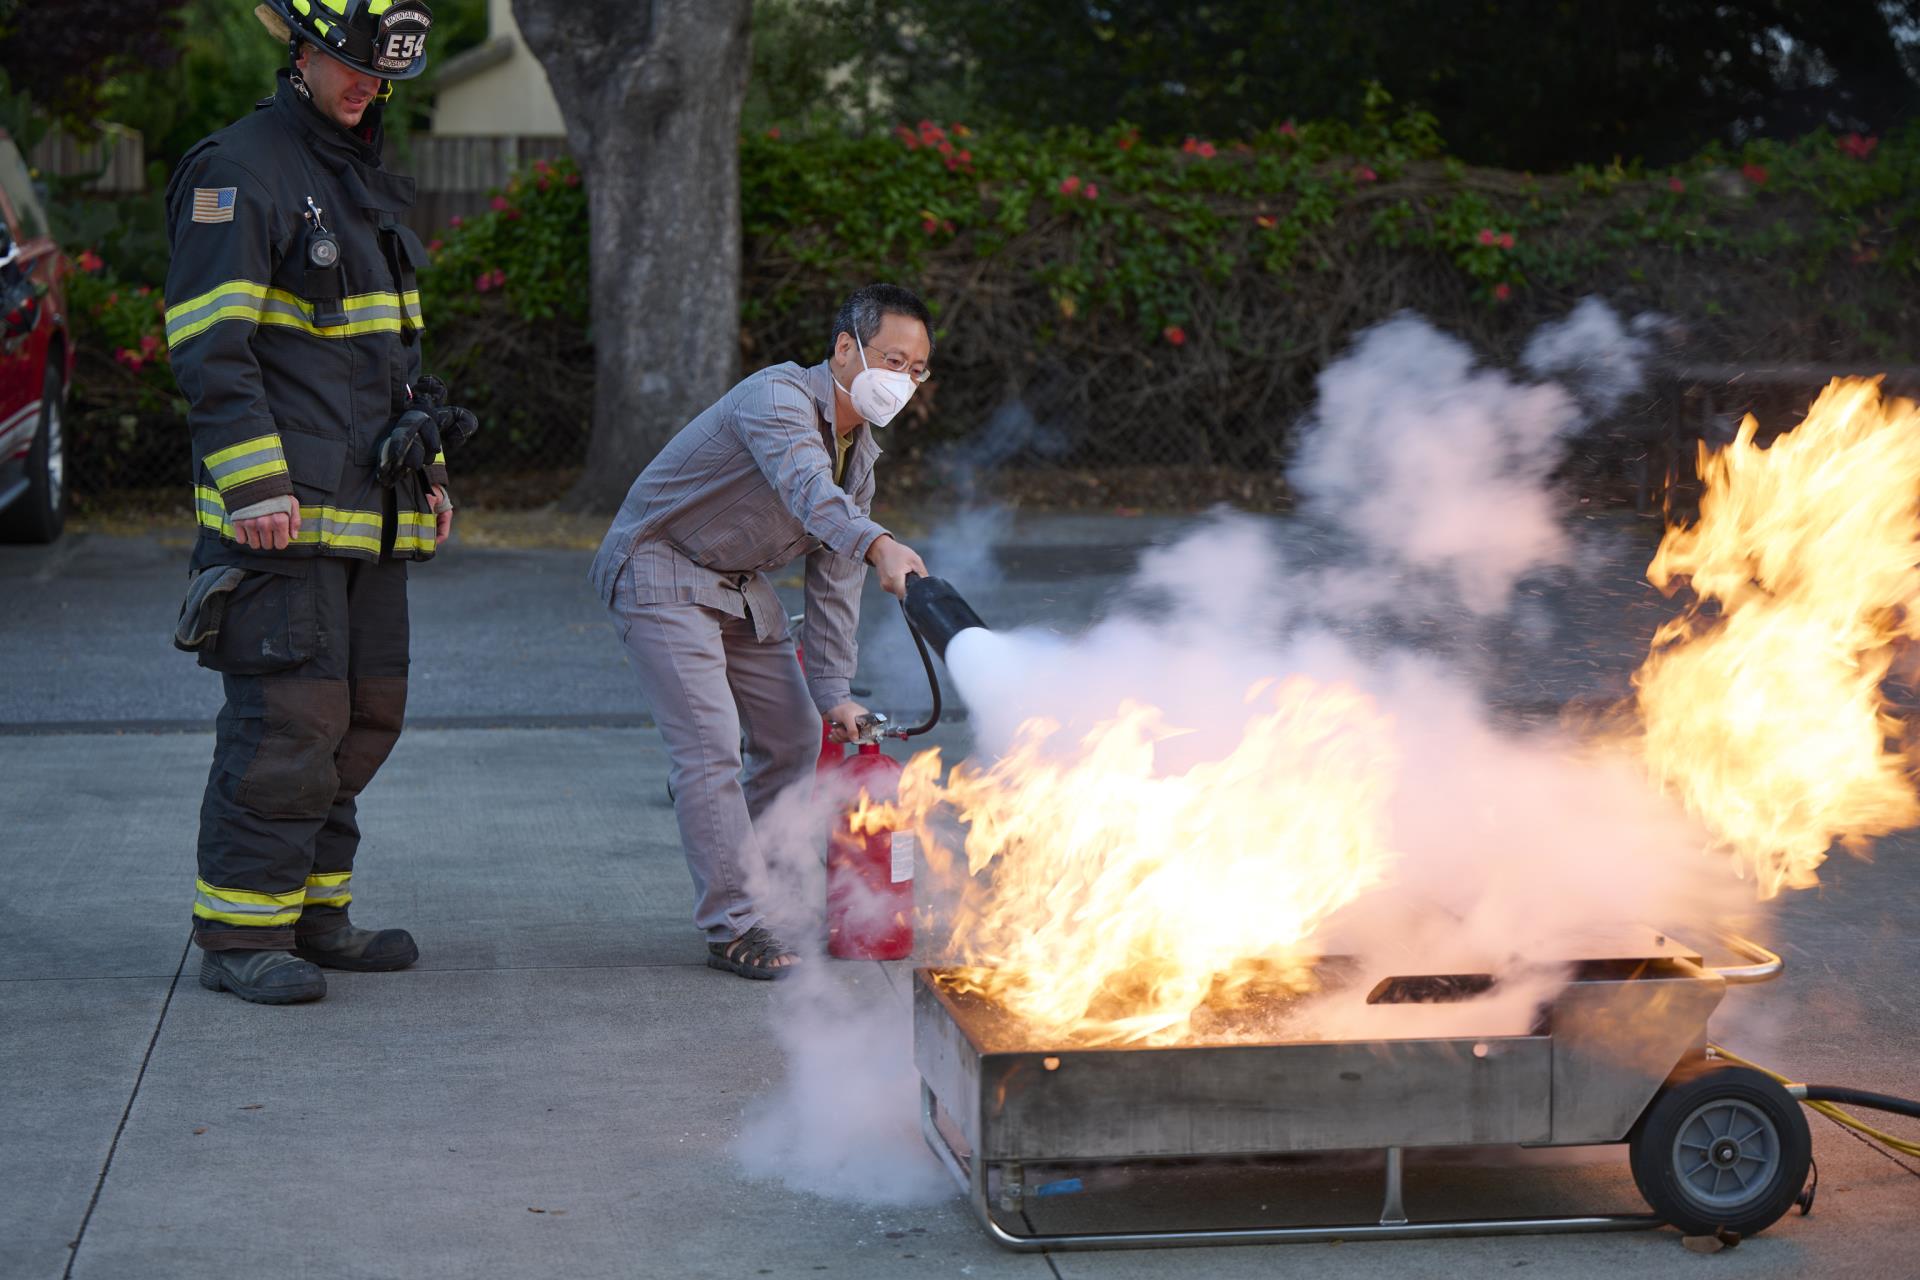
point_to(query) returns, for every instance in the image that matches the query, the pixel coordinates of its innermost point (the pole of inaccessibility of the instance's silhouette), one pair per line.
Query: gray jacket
(741, 490)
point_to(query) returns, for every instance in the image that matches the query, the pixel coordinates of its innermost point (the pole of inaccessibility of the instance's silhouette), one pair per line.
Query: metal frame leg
(970, 1172)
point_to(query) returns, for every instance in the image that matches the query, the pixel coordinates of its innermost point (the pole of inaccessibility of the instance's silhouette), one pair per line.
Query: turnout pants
(315, 668)
(706, 678)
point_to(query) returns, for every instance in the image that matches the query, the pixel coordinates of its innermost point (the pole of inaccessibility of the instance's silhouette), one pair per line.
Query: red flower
(1364, 174)
(953, 164)
(435, 246)
(1502, 291)
(456, 221)
(499, 278)
(1289, 129)
(1091, 192)
(513, 215)
(113, 299)
(1487, 236)
(1069, 184)
(930, 132)
(144, 291)
(541, 166)
(89, 261)
(1675, 185)
(483, 282)
(1205, 151)
(545, 183)
(965, 156)
(929, 224)
(774, 132)
(1754, 173)
(1857, 146)
(573, 179)
(149, 343)
(1190, 146)
(1265, 222)
(908, 138)
(946, 148)
(1174, 334)
(1126, 141)
(960, 130)
(130, 358)
(1506, 239)
(946, 225)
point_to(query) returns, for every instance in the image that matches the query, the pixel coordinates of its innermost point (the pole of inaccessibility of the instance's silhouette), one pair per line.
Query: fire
(1109, 897)
(1761, 706)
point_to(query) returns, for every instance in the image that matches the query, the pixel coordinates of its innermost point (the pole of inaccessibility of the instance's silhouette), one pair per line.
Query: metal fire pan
(1123, 1104)
(994, 1100)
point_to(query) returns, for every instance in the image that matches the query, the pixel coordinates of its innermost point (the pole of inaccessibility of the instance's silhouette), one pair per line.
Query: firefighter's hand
(845, 720)
(270, 530)
(442, 514)
(894, 560)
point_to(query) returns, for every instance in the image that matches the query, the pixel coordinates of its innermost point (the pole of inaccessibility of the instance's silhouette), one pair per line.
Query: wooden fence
(117, 154)
(456, 176)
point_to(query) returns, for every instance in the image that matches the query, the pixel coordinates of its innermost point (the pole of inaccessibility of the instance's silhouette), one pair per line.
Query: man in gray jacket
(781, 467)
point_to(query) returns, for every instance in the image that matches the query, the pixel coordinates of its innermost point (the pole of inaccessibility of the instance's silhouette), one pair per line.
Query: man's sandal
(751, 955)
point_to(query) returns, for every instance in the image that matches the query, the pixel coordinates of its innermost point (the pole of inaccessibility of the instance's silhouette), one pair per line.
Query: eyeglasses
(897, 361)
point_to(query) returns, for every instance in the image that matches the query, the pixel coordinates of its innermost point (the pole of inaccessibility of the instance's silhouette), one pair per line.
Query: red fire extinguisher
(870, 876)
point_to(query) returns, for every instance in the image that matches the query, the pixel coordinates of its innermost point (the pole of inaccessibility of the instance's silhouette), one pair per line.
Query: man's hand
(442, 514)
(845, 720)
(271, 530)
(894, 560)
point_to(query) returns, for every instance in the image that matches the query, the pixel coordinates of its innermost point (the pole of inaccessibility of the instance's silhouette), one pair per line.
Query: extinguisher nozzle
(937, 612)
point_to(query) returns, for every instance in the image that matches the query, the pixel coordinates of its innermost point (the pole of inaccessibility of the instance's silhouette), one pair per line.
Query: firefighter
(293, 322)
(782, 467)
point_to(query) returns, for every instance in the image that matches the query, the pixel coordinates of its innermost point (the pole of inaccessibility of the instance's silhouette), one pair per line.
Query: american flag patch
(213, 204)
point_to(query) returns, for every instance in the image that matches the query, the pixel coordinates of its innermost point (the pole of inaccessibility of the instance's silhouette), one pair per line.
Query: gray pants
(706, 677)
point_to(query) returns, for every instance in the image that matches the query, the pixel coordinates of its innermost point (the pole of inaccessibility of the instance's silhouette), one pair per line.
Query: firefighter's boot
(362, 950)
(263, 977)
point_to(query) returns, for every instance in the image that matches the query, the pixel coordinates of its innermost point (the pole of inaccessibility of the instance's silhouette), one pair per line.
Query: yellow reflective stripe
(439, 459)
(329, 889)
(258, 444)
(379, 312)
(231, 478)
(321, 526)
(246, 906)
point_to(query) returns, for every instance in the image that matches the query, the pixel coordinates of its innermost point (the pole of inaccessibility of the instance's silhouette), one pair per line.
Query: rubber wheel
(1725, 1148)
(39, 514)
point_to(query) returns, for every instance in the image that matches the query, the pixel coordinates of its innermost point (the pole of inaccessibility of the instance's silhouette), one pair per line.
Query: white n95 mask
(878, 394)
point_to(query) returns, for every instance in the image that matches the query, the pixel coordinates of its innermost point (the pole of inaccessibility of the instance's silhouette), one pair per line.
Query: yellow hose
(1830, 1110)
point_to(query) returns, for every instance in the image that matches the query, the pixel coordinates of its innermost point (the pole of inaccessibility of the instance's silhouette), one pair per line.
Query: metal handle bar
(1767, 964)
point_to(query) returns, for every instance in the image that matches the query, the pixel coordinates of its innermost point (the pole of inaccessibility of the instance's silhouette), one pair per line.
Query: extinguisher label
(905, 848)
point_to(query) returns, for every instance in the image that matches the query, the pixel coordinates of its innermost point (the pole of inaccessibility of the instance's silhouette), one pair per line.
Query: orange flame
(1761, 706)
(1109, 896)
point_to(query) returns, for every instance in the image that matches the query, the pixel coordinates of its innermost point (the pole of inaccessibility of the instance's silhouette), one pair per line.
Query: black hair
(864, 309)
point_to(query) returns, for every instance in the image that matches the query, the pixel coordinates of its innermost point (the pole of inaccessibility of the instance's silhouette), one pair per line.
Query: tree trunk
(651, 92)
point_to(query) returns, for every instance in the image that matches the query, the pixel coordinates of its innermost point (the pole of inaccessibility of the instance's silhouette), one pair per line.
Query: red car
(36, 361)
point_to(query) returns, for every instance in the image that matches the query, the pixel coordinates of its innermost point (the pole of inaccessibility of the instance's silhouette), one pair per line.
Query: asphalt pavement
(562, 1088)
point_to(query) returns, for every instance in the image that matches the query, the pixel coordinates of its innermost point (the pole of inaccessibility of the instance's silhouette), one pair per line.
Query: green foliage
(529, 251)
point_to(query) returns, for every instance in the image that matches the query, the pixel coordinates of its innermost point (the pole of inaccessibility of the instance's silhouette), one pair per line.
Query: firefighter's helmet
(385, 38)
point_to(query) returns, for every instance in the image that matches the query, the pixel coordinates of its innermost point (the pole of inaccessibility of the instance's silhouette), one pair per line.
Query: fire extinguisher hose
(933, 681)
